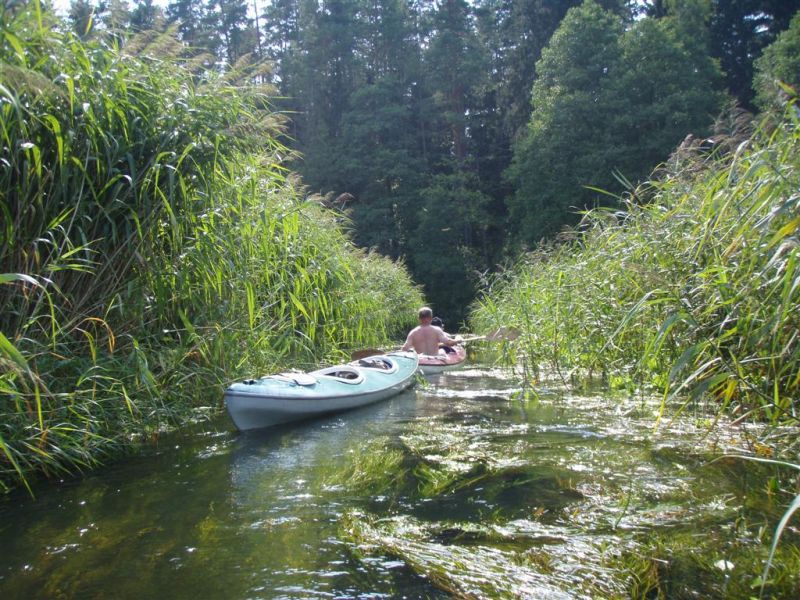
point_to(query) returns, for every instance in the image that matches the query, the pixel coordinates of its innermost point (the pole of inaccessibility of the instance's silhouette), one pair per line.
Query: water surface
(494, 496)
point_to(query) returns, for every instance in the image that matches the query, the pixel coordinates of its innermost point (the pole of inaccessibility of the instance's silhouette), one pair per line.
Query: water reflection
(381, 502)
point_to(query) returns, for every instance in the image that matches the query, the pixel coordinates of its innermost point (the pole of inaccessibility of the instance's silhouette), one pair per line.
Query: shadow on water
(217, 514)
(458, 487)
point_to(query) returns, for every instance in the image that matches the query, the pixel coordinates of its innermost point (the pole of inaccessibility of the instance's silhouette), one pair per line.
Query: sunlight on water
(457, 487)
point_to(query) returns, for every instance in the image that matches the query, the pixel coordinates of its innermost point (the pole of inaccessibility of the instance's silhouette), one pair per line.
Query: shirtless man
(425, 338)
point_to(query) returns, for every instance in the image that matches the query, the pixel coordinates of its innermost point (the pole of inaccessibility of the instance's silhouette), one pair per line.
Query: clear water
(567, 480)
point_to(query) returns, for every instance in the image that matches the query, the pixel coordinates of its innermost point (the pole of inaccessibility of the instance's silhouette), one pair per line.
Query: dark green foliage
(607, 102)
(374, 116)
(566, 144)
(146, 15)
(667, 88)
(378, 165)
(515, 32)
(451, 222)
(386, 97)
(740, 30)
(188, 14)
(231, 33)
(455, 64)
(779, 64)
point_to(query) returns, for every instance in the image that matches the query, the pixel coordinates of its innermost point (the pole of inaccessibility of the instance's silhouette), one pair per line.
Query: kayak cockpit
(378, 363)
(343, 373)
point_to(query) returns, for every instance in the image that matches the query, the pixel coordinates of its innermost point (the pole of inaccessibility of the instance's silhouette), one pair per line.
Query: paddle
(503, 334)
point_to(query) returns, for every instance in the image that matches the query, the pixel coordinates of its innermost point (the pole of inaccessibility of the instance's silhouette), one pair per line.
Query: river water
(462, 486)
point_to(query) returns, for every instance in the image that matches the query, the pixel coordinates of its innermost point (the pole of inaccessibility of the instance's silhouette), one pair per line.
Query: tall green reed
(693, 287)
(153, 246)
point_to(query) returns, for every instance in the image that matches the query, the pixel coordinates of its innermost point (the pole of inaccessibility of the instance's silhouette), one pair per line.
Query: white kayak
(256, 403)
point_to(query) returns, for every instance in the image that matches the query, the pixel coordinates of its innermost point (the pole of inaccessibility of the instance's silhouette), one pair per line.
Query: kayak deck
(289, 397)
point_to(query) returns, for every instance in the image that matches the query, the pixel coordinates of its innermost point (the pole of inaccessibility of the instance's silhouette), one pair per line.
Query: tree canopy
(778, 66)
(609, 104)
(455, 132)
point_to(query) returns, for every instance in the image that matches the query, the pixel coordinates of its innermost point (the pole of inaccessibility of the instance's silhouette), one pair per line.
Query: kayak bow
(286, 397)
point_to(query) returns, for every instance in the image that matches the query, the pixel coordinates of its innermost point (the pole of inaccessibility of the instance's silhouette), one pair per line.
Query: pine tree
(456, 62)
(231, 33)
(145, 15)
(189, 15)
(379, 155)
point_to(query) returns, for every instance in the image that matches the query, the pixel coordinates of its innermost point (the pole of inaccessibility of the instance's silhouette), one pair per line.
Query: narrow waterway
(459, 487)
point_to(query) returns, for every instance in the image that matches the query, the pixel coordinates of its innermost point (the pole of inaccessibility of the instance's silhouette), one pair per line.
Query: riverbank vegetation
(457, 133)
(156, 242)
(693, 288)
(153, 245)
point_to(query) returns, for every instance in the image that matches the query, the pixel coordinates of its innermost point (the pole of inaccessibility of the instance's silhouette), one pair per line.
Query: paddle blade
(503, 334)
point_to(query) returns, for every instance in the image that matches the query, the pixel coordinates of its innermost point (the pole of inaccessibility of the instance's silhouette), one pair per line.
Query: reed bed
(694, 287)
(153, 246)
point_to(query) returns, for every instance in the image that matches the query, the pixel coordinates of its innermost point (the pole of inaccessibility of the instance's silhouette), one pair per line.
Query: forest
(383, 154)
(194, 194)
(456, 134)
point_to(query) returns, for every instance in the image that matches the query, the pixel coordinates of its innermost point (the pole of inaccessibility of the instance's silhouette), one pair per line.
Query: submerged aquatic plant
(682, 563)
(376, 468)
(579, 499)
(520, 560)
(794, 506)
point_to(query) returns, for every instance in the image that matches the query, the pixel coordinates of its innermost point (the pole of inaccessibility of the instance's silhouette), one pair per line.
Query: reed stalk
(153, 245)
(693, 288)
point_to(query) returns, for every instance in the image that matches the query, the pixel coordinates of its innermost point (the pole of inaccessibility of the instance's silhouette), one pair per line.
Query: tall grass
(694, 287)
(152, 245)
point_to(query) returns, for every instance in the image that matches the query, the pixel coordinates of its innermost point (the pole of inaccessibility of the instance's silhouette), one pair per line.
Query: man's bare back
(425, 339)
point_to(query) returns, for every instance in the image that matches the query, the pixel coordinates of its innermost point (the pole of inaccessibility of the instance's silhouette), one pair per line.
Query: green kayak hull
(286, 397)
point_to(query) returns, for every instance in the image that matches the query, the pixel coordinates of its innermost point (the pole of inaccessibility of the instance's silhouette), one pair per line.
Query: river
(463, 486)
